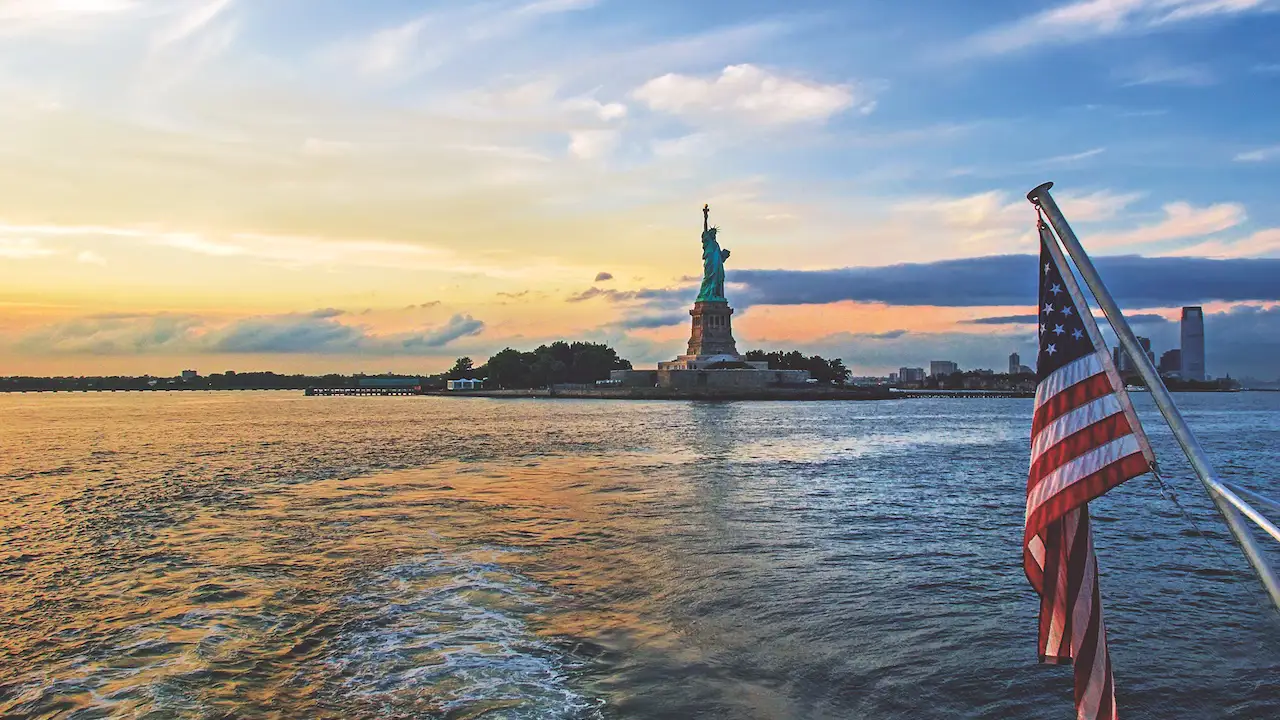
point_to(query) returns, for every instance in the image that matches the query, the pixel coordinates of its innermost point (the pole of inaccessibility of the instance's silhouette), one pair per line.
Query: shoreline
(623, 393)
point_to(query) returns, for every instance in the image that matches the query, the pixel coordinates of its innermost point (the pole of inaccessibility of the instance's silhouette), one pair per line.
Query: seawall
(650, 393)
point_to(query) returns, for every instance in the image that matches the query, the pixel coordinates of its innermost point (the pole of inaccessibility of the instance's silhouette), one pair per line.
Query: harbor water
(269, 555)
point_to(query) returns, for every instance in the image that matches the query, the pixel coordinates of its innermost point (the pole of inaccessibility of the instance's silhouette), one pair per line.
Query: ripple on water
(449, 635)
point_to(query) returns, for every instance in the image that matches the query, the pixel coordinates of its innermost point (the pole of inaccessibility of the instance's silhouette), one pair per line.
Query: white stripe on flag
(1073, 422)
(1082, 467)
(1037, 550)
(1066, 376)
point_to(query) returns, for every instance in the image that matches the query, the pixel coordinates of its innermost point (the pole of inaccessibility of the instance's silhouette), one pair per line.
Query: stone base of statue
(712, 364)
(712, 329)
(711, 344)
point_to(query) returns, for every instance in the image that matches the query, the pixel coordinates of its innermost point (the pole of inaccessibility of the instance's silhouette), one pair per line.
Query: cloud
(1097, 206)
(1259, 155)
(1087, 20)
(592, 106)
(114, 335)
(994, 221)
(459, 326)
(1032, 319)
(427, 41)
(656, 296)
(1181, 220)
(319, 332)
(1264, 243)
(603, 276)
(592, 144)
(188, 24)
(389, 49)
(588, 294)
(31, 15)
(644, 322)
(307, 333)
(547, 7)
(1178, 75)
(1243, 341)
(1073, 158)
(90, 257)
(1005, 280)
(316, 332)
(23, 249)
(750, 93)
(287, 250)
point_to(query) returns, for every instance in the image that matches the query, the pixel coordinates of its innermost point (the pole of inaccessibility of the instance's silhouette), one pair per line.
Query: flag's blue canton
(1062, 335)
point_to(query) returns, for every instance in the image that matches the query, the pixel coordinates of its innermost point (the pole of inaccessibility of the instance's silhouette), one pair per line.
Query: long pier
(923, 393)
(363, 391)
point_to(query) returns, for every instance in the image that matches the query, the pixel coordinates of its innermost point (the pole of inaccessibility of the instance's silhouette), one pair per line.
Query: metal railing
(1229, 499)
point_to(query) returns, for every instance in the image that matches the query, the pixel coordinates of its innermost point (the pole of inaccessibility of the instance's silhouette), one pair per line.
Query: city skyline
(216, 183)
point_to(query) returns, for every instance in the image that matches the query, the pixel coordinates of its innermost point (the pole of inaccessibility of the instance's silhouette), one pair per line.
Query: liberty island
(711, 360)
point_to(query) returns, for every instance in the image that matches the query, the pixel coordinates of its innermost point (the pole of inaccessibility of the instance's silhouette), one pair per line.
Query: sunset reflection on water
(268, 555)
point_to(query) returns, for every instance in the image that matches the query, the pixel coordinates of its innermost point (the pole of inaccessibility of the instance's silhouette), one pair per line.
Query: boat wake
(447, 636)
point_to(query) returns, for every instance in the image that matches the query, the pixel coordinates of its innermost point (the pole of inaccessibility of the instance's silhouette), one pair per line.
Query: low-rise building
(908, 375)
(939, 368)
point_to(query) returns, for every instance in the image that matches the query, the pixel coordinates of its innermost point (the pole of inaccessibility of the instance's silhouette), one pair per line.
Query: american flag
(1085, 440)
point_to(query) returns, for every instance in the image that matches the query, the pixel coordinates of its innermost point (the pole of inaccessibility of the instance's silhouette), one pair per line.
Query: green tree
(462, 367)
(507, 369)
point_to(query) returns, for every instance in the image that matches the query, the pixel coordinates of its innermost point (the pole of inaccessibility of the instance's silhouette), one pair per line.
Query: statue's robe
(712, 269)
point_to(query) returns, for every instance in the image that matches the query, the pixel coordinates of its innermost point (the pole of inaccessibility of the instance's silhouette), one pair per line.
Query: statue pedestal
(711, 343)
(712, 330)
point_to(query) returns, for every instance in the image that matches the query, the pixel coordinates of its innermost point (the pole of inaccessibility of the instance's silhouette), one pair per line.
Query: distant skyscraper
(1015, 362)
(1171, 362)
(1192, 343)
(1121, 359)
(1124, 362)
(1146, 347)
(938, 368)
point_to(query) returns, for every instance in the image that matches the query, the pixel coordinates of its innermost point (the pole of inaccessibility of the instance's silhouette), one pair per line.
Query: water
(237, 555)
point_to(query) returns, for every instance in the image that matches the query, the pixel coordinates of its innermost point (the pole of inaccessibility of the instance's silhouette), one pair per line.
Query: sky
(386, 185)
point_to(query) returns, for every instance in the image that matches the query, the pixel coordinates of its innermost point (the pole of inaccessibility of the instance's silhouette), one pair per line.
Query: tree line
(559, 362)
(827, 372)
(229, 380)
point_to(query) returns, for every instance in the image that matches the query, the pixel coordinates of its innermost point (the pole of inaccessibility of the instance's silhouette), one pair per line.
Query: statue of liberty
(712, 262)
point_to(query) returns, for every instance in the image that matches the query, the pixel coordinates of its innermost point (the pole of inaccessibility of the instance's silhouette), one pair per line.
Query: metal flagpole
(1229, 503)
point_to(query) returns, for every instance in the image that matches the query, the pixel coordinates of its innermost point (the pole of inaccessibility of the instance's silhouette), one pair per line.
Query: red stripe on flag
(1082, 393)
(1084, 490)
(1073, 446)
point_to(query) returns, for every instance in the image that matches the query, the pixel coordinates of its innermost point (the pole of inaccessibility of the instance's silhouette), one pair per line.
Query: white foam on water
(448, 635)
